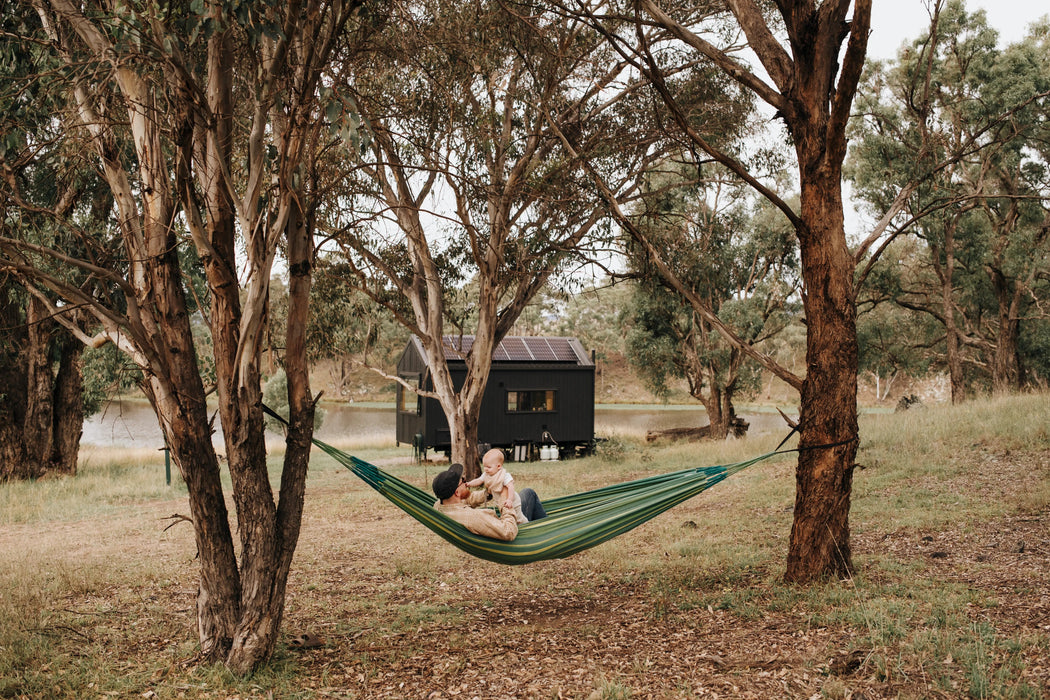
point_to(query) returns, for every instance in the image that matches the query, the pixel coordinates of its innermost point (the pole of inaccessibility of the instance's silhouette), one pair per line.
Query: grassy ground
(951, 597)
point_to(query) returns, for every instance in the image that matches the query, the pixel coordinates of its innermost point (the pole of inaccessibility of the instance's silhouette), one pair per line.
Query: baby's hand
(508, 505)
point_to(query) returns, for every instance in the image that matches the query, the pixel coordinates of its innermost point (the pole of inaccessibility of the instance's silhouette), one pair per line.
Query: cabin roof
(522, 349)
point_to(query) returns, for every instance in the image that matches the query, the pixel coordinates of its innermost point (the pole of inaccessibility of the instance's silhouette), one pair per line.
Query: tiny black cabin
(540, 394)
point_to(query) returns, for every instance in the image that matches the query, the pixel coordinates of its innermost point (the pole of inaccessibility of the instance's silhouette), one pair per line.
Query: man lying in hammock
(457, 501)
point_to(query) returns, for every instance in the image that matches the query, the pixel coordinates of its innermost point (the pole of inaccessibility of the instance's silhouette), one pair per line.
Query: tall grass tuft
(106, 482)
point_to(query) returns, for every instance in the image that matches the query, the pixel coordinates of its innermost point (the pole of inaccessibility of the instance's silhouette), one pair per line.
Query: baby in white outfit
(499, 483)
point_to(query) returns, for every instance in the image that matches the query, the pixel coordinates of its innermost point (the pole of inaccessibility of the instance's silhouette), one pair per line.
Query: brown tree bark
(39, 412)
(68, 419)
(465, 441)
(42, 414)
(177, 393)
(820, 536)
(1007, 377)
(953, 334)
(953, 351)
(704, 384)
(12, 386)
(811, 83)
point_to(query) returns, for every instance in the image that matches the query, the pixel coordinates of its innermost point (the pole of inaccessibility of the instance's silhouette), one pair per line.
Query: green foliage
(590, 313)
(962, 121)
(890, 340)
(107, 373)
(1035, 349)
(344, 322)
(740, 265)
(275, 396)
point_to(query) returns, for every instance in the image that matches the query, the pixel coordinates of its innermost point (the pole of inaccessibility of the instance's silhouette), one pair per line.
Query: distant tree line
(955, 130)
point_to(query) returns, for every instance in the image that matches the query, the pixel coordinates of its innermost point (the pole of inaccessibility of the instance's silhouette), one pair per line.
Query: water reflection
(132, 424)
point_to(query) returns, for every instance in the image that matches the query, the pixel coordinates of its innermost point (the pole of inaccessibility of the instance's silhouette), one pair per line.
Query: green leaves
(963, 123)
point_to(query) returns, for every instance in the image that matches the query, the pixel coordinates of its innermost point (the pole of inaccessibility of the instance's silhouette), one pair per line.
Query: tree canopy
(954, 130)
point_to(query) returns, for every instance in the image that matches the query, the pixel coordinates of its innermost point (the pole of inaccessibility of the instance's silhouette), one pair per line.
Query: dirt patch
(553, 642)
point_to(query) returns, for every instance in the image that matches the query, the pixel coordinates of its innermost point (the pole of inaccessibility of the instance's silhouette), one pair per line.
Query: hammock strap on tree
(573, 523)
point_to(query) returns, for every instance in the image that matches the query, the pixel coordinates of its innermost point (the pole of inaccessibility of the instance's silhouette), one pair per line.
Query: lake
(132, 423)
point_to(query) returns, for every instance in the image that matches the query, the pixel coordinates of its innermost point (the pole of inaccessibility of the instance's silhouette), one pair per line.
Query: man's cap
(446, 483)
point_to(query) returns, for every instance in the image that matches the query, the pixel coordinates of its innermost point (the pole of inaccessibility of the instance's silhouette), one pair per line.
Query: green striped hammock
(573, 523)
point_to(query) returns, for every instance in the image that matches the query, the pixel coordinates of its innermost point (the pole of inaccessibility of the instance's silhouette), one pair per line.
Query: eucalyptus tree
(41, 381)
(804, 61)
(894, 343)
(966, 121)
(740, 263)
(41, 412)
(463, 104)
(204, 123)
(43, 404)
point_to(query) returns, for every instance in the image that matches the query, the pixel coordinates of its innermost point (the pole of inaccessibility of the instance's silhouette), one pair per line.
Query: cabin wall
(571, 422)
(554, 403)
(411, 409)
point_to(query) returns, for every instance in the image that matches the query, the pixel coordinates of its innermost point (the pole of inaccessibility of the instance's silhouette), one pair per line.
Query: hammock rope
(573, 523)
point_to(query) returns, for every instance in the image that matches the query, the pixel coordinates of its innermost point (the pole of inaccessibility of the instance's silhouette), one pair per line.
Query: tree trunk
(1006, 359)
(185, 427)
(952, 344)
(717, 420)
(269, 530)
(1006, 363)
(718, 401)
(39, 400)
(956, 378)
(68, 409)
(178, 398)
(42, 416)
(462, 405)
(820, 536)
(729, 417)
(464, 429)
(164, 135)
(249, 649)
(12, 385)
(815, 80)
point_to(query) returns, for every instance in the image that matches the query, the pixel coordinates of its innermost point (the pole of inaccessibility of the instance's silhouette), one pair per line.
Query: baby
(499, 483)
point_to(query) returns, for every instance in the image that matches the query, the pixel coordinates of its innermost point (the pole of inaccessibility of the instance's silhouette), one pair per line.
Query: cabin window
(408, 401)
(532, 400)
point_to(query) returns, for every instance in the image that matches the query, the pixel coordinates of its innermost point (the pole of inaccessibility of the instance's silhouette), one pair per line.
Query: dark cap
(446, 483)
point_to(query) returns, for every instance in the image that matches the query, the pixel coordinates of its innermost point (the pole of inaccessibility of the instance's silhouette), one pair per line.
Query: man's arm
(488, 524)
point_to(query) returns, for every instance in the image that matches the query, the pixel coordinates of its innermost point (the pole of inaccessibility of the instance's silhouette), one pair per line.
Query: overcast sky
(896, 21)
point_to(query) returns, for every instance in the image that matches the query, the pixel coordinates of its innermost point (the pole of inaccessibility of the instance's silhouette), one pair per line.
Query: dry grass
(950, 537)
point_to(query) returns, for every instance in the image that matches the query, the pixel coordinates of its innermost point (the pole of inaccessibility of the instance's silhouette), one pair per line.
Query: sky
(896, 21)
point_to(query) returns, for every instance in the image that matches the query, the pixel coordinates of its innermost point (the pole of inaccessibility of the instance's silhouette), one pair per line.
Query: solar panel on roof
(457, 346)
(562, 349)
(542, 350)
(517, 349)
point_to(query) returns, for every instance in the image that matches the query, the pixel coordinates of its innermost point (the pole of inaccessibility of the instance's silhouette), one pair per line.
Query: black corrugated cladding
(540, 391)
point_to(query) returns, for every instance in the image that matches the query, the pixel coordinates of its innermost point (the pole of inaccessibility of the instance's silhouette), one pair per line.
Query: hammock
(573, 523)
